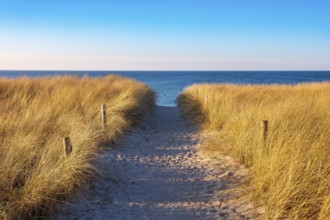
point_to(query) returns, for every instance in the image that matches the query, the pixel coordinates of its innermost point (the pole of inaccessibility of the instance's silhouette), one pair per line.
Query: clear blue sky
(165, 34)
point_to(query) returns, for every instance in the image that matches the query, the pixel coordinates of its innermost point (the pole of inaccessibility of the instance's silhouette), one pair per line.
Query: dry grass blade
(290, 160)
(36, 114)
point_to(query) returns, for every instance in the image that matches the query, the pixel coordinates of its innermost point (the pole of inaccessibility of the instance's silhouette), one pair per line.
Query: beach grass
(289, 165)
(36, 175)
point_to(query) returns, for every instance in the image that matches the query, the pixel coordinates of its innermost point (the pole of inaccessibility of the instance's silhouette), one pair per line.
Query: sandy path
(155, 173)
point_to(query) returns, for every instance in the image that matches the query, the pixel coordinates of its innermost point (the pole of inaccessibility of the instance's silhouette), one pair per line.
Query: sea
(168, 84)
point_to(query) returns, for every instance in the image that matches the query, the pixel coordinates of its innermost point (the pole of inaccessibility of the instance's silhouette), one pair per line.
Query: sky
(165, 35)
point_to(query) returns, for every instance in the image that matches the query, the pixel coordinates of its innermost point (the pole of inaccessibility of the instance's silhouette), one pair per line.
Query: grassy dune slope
(290, 172)
(36, 114)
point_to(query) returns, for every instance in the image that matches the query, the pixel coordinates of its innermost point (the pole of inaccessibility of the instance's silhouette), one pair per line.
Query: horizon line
(170, 70)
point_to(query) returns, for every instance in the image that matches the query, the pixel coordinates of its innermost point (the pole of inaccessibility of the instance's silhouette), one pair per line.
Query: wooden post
(67, 146)
(264, 131)
(104, 115)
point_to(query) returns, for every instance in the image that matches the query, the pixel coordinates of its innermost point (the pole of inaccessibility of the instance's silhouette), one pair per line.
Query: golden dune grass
(290, 172)
(36, 114)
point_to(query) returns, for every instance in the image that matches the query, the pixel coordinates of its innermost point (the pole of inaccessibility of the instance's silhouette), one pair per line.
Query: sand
(155, 172)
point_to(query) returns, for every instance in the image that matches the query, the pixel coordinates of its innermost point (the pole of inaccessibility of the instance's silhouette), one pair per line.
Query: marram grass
(290, 171)
(36, 114)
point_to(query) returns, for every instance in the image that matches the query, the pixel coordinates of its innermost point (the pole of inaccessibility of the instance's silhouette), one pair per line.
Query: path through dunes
(155, 173)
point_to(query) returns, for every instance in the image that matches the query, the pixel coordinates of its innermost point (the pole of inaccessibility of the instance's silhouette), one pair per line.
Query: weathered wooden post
(67, 146)
(264, 131)
(104, 115)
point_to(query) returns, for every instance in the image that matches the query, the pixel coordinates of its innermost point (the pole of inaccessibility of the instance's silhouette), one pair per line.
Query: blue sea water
(168, 84)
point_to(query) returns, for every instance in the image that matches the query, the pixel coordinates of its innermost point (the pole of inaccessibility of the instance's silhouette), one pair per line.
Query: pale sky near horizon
(165, 35)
